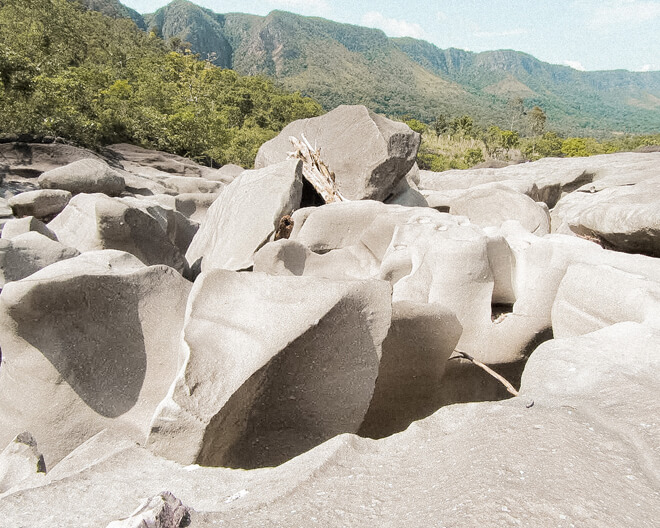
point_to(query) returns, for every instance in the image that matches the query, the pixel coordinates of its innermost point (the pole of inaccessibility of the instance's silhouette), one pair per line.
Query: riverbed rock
(28, 253)
(271, 367)
(26, 224)
(84, 176)
(21, 461)
(44, 203)
(154, 234)
(368, 153)
(101, 354)
(245, 216)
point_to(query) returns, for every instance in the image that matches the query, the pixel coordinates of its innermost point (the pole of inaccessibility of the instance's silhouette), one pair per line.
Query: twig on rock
(315, 170)
(465, 355)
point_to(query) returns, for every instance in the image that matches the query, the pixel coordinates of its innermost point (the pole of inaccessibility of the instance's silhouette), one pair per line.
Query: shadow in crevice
(89, 329)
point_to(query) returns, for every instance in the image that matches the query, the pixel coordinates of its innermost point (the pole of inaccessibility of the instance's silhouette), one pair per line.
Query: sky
(584, 34)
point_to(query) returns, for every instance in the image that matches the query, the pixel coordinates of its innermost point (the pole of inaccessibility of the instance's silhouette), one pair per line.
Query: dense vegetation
(78, 74)
(345, 64)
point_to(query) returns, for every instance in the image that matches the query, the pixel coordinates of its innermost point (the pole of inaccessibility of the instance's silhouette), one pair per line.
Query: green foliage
(96, 80)
(499, 142)
(416, 125)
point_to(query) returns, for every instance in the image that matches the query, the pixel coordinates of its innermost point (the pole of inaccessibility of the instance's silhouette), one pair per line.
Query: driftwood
(464, 355)
(315, 170)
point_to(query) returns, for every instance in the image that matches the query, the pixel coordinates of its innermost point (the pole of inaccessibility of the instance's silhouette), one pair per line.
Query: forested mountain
(340, 63)
(69, 72)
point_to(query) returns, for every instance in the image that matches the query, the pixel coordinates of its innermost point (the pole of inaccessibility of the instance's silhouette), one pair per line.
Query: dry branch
(490, 371)
(315, 170)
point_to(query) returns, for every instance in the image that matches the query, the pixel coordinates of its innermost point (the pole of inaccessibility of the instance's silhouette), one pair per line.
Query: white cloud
(623, 12)
(302, 6)
(499, 34)
(392, 26)
(575, 65)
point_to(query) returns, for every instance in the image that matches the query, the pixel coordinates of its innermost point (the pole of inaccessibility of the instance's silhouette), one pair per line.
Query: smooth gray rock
(43, 203)
(20, 461)
(491, 204)
(245, 216)
(368, 153)
(84, 176)
(162, 511)
(153, 233)
(87, 344)
(271, 367)
(415, 353)
(19, 226)
(29, 160)
(28, 253)
(227, 173)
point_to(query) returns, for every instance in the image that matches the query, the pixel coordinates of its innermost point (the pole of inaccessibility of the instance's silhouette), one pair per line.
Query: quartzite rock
(87, 344)
(19, 226)
(271, 367)
(368, 153)
(245, 216)
(43, 203)
(20, 461)
(84, 176)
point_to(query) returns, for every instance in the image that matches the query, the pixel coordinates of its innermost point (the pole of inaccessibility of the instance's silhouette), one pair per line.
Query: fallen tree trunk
(315, 170)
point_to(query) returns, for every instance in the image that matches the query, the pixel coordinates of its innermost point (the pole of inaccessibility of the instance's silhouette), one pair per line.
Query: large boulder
(622, 215)
(27, 253)
(491, 205)
(368, 153)
(84, 176)
(153, 233)
(20, 461)
(415, 353)
(245, 216)
(44, 203)
(87, 344)
(29, 160)
(26, 224)
(271, 367)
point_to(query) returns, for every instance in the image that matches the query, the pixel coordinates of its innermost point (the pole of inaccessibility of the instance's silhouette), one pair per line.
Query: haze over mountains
(340, 63)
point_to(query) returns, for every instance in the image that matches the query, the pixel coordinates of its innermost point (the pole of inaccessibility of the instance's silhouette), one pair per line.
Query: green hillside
(69, 72)
(340, 63)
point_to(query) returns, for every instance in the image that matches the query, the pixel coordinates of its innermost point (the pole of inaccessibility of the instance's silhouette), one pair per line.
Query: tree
(441, 124)
(537, 120)
(516, 110)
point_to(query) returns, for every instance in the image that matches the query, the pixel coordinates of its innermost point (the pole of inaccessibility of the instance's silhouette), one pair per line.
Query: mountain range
(347, 64)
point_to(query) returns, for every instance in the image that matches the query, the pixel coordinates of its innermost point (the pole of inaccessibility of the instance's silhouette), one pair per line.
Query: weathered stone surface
(162, 511)
(624, 215)
(154, 234)
(245, 216)
(591, 297)
(492, 204)
(27, 253)
(187, 185)
(101, 354)
(19, 226)
(271, 367)
(415, 353)
(20, 461)
(368, 153)
(546, 180)
(594, 414)
(41, 204)
(84, 176)
(153, 163)
(226, 173)
(29, 160)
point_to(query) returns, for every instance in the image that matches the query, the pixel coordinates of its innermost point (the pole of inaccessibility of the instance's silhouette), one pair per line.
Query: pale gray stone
(368, 153)
(19, 226)
(88, 343)
(84, 176)
(41, 204)
(20, 461)
(271, 367)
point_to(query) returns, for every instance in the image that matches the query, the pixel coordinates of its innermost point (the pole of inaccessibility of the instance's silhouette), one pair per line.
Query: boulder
(368, 153)
(415, 354)
(591, 297)
(245, 216)
(489, 205)
(84, 176)
(29, 160)
(226, 173)
(621, 215)
(27, 253)
(153, 233)
(188, 185)
(87, 344)
(162, 511)
(271, 367)
(548, 179)
(20, 461)
(44, 203)
(19, 226)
